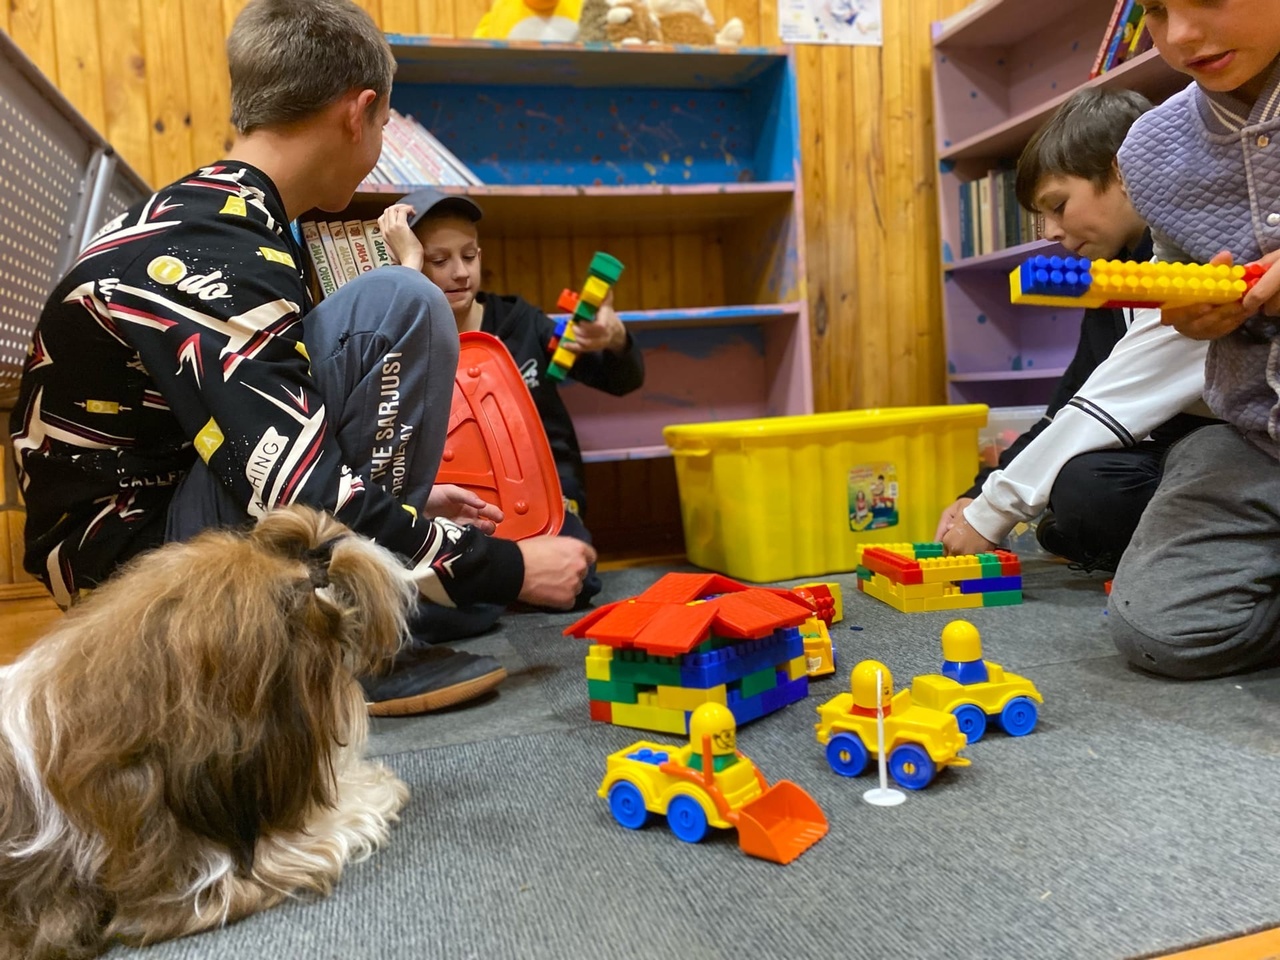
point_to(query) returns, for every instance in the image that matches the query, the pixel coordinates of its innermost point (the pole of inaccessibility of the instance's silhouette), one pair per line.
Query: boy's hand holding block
(601, 276)
(1080, 282)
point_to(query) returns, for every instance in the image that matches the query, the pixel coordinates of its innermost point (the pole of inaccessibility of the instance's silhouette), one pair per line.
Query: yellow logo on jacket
(208, 440)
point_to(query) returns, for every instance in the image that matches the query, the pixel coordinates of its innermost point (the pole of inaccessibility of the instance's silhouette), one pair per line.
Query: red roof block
(893, 565)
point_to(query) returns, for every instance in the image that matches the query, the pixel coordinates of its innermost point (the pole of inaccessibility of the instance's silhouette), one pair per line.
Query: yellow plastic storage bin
(785, 497)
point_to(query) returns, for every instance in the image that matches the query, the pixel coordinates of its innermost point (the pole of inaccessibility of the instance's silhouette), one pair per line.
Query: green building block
(757, 683)
(612, 691)
(1002, 598)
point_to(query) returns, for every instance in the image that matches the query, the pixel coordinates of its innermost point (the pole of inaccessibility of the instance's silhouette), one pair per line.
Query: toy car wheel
(687, 819)
(911, 766)
(972, 721)
(1019, 716)
(626, 803)
(846, 754)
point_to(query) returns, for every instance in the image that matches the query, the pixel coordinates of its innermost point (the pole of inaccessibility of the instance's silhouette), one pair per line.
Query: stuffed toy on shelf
(550, 20)
(690, 22)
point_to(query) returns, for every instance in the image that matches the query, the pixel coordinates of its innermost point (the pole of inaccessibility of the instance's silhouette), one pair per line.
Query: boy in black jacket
(180, 378)
(436, 233)
(1096, 457)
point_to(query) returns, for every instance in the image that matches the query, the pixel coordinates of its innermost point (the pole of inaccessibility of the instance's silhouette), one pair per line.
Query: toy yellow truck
(709, 784)
(975, 690)
(918, 741)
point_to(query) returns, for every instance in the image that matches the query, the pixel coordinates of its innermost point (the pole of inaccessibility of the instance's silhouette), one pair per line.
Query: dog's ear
(374, 593)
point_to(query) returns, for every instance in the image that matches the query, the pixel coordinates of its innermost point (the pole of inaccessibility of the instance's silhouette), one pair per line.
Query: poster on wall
(831, 21)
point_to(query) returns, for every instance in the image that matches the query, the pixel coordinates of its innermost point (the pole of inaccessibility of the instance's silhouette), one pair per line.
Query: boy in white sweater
(1096, 458)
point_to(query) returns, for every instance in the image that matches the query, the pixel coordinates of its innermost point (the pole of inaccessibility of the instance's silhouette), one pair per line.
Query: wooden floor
(1258, 946)
(26, 612)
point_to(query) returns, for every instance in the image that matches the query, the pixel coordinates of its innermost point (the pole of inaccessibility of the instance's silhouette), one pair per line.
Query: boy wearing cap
(436, 233)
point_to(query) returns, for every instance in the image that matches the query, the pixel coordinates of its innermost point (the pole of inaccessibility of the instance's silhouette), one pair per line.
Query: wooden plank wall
(151, 75)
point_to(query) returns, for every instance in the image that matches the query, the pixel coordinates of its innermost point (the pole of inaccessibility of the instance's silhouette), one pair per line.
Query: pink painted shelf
(1000, 69)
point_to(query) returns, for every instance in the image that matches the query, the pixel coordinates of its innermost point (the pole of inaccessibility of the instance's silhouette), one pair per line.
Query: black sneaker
(430, 678)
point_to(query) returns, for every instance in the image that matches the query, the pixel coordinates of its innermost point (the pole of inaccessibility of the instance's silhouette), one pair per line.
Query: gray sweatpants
(384, 351)
(1197, 593)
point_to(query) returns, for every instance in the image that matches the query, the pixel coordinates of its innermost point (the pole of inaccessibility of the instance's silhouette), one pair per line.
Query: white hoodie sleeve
(1152, 374)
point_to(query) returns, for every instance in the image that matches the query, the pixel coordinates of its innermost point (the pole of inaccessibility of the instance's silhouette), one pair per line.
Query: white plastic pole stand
(883, 795)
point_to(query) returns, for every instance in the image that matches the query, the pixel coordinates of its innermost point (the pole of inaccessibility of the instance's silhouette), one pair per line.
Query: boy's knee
(1157, 655)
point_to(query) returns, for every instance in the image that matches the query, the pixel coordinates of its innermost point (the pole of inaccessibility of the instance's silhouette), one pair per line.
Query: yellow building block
(948, 569)
(594, 291)
(648, 717)
(882, 588)
(689, 698)
(599, 662)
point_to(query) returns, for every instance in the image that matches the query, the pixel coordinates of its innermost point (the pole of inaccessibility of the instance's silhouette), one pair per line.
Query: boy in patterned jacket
(179, 378)
(1197, 594)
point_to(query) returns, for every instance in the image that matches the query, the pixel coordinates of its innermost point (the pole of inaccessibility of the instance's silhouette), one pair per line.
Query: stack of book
(991, 218)
(1126, 37)
(411, 155)
(342, 250)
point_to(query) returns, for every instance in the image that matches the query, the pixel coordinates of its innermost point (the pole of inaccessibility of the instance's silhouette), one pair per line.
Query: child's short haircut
(290, 59)
(1081, 139)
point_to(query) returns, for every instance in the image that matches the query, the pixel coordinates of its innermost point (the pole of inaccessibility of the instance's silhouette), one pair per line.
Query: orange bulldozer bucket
(781, 823)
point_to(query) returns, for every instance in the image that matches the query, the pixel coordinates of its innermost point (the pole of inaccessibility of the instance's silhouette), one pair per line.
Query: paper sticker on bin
(769, 499)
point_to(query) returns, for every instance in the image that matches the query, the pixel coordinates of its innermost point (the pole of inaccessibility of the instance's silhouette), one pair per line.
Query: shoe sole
(439, 699)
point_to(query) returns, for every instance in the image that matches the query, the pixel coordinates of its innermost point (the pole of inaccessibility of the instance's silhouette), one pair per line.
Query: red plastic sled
(496, 446)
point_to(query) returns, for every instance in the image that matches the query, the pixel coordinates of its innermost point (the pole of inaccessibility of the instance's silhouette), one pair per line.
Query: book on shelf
(991, 218)
(412, 155)
(341, 250)
(1126, 38)
(1120, 11)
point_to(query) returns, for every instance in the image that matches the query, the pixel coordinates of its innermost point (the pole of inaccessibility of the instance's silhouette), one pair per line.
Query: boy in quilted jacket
(1197, 594)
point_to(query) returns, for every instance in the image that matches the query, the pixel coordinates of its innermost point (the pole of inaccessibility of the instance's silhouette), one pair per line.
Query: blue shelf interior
(618, 135)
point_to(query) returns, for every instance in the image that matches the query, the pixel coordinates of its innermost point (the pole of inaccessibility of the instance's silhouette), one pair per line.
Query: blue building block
(991, 584)
(651, 756)
(730, 664)
(1055, 276)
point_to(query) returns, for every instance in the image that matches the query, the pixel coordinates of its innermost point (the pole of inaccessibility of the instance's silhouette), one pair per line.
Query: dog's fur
(186, 747)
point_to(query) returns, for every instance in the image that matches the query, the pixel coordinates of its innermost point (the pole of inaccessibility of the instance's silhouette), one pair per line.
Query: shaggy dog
(185, 747)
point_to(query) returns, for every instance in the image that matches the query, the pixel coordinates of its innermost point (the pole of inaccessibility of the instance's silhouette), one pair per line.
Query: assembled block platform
(916, 577)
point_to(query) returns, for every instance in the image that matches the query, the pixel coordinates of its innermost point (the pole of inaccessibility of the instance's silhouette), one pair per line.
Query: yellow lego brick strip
(599, 662)
(1158, 284)
(949, 569)
(881, 588)
(687, 698)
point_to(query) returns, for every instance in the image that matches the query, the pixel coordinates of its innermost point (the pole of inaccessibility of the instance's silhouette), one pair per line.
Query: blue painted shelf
(684, 162)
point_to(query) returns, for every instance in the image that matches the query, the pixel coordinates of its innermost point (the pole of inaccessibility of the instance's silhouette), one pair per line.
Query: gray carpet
(1139, 817)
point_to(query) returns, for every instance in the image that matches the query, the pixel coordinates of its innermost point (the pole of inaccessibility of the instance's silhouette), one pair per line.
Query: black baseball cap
(433, 201)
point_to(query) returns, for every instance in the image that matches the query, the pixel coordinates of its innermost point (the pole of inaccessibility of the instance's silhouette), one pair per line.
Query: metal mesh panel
(40, 191)
(49, 158)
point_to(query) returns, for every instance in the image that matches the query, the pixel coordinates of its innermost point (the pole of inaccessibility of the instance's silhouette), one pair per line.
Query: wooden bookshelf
(1001, 67)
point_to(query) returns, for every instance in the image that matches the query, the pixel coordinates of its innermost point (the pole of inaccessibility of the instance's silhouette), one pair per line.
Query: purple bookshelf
(1001, 67)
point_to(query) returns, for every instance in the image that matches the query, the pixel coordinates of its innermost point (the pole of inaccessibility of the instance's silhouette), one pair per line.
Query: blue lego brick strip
(1055, 276)
(990, 584)
(729, 664)
(752, 708)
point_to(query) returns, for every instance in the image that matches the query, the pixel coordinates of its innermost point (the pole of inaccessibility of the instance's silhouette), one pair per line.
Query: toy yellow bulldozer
(711, 785)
